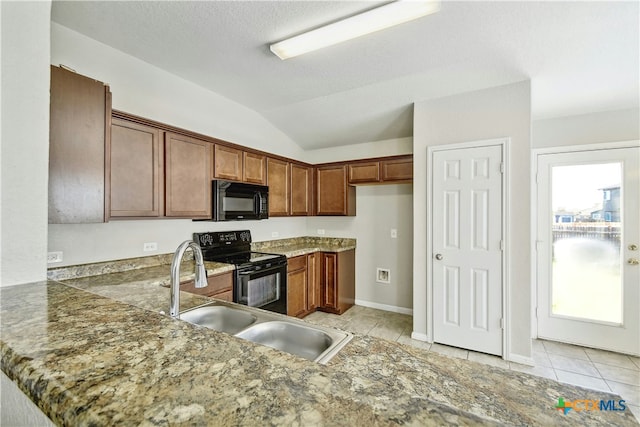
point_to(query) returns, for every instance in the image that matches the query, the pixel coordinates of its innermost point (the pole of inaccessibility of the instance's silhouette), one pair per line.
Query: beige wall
(498, 112)
(602, 127)
(24, 155)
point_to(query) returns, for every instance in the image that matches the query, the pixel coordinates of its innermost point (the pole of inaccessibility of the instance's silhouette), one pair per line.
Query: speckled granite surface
(86, 359)
(290, 247)
(89, 360)
(305, 245)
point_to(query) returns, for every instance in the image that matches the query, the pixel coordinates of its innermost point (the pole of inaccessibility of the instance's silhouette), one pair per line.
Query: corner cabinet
(80, 113)
(338, 276)
(334, 195)
(290, 188)
(187, 177)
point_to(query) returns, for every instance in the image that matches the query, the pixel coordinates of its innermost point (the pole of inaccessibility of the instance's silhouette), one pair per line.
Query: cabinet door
(278, 181)
(187, 177)
(80, 109)
(301, 189)
(228, 163)
(136, 162)
(330, 280)
(297, 293)
(335, 197)
(313, 281)
(255, 167)
(364, 172)
(397, 170)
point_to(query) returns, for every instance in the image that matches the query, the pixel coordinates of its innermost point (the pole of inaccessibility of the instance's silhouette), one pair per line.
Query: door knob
(439, 257)
(633, 261)
(633, 247)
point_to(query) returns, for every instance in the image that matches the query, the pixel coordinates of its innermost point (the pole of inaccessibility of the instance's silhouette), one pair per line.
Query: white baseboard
(384, 307)
(523, 360)
(420, 337)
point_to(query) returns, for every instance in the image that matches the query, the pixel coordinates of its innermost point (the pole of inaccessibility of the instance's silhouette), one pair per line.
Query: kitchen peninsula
(97, 350)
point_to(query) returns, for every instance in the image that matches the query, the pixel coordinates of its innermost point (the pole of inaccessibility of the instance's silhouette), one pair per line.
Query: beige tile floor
(585, 367)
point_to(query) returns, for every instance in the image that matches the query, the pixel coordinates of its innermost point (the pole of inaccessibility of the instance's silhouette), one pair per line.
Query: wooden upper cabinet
(279, 191)
(301, 190)
(334, 195)
(255, 168)
(364, 172)
(80, 113)
(397, 170)
(136, 168)
(187, 177)
(228, 163)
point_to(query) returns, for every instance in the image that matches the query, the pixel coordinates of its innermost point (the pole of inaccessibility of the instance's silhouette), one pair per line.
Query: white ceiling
(581, 57)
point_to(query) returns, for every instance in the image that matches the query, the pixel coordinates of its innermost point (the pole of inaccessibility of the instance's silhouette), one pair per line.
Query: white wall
(148, 91)
(378, 210)
(602, 127)
(388, 147)
(24, 157)
(145, 90)
(499, 112)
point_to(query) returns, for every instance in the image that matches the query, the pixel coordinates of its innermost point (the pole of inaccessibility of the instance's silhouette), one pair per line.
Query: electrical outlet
(149, 247)
(383, 275)
(53, 257)
(394, 233)
(321, 231)
(275, 234)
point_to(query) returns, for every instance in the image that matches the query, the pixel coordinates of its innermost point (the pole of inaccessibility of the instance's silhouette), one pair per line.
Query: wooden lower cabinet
(321, 281)
(338, 281)
(297, 286)
(220, 287)
(314, 295)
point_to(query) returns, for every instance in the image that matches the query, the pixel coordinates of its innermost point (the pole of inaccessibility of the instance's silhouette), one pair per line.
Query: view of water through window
(586, 227)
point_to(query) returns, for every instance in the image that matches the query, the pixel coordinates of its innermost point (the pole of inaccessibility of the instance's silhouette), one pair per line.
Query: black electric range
(260, 278)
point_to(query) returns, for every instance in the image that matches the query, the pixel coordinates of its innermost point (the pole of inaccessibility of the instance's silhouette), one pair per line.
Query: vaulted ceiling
(581, 57)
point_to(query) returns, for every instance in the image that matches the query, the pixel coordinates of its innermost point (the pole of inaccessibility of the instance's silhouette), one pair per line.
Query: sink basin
(300, 340)
(220, 318)
(312, 342)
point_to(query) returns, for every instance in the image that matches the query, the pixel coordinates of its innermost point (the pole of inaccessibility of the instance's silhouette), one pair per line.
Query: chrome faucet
(201, 274)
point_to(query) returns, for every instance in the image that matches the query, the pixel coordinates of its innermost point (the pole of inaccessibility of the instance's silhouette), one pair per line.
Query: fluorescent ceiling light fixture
(377, 19)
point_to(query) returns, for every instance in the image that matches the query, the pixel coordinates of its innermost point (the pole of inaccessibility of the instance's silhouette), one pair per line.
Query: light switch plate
(321, 231)
(275, 234)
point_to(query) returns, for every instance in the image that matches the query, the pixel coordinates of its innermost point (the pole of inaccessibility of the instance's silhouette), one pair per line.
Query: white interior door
(588, 236)
(467, 240)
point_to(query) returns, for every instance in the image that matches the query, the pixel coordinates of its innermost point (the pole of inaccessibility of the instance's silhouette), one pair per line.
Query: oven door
(265, 288)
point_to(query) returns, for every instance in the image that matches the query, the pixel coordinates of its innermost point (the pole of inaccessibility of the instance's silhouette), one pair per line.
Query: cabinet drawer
(224, 296)
(217, 284)
(297, 263)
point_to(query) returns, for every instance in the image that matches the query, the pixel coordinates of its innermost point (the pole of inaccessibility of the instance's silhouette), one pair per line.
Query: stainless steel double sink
(284, 333)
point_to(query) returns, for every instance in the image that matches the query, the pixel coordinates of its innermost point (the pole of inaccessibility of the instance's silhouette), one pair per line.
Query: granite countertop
(86, 358)
(99, 350)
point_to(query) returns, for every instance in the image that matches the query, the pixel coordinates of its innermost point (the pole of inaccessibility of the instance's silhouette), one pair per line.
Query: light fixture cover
(368, 22)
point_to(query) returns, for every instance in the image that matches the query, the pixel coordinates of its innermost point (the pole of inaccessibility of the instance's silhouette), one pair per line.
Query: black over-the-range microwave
(239, 201)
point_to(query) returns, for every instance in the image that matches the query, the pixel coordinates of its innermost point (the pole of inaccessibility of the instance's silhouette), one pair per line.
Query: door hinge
(501, 167)
(501, 245)
(502, 323)
(536, 312)
(538, 245)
